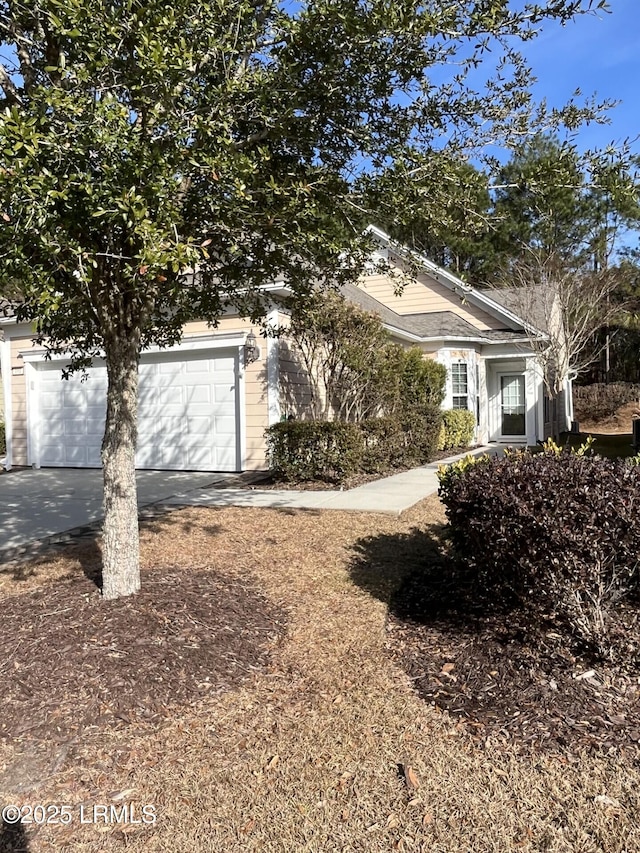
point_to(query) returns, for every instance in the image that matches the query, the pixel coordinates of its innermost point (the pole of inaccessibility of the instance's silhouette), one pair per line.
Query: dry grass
(306, 756)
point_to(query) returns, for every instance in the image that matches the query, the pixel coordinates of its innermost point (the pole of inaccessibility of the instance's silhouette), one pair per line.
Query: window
(459, 386)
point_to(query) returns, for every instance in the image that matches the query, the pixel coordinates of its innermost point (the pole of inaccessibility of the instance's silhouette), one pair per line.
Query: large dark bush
(420, 427)
(556, 533)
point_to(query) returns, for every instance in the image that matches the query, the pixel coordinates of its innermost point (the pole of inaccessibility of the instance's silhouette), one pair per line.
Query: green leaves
(555, 534)
(135, 132)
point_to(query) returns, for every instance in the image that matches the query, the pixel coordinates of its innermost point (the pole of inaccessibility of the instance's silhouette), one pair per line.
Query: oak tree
(161, 162)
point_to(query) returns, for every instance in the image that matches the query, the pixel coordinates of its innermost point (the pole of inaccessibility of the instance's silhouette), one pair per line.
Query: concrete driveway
(36, 505)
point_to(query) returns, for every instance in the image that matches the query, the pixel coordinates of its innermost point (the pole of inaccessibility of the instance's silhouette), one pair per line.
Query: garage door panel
(186, 416)
(170, 427)
(146, 457)
(223, 393)
(55, 427)
(49, 400)
(225, 426)
(73, 398)
(201, 426)
(198, 394)
(170, 368)
(169, 396)
(96, 412)
(52, 454)
(95, 397)
(76, 456)
(75, 427)
(202, 457)
(95, 427)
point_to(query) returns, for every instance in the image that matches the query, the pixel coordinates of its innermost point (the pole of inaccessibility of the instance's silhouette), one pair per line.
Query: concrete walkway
(43, 506)
(389, 495)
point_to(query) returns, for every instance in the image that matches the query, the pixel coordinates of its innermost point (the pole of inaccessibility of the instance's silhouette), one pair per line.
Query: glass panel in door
(512, 405)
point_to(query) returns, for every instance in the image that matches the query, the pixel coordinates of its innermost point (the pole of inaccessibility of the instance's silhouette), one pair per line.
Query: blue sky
(598, 54)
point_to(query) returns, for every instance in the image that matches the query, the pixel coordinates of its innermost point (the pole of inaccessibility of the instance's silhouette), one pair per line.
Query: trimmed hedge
(555, 533)
(457, 429)
(314, 450)
(333, 451)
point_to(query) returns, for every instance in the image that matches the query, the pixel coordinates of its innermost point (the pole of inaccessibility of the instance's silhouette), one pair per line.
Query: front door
(513, 409)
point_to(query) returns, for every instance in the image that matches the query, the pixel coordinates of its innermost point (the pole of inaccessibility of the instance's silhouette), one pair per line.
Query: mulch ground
(301, 753)
(510, 680)
(71, 662)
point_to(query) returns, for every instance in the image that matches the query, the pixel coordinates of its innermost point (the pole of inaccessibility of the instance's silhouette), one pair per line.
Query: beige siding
(425, 295)
(19, 400)
(256, 411)
(226, 324)
(295, 389)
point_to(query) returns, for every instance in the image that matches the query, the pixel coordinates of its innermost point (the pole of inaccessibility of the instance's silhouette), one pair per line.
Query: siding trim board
(5, 370)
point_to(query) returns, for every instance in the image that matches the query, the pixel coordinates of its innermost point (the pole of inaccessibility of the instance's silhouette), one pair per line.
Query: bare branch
(570, 306)
(11, 91)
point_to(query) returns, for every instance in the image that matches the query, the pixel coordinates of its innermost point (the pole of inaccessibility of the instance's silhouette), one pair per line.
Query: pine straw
(306, 756)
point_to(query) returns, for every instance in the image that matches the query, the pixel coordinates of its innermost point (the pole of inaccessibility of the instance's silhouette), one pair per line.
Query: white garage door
(187, 416)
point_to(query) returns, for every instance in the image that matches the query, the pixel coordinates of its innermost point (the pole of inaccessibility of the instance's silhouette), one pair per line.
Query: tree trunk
(121, 547)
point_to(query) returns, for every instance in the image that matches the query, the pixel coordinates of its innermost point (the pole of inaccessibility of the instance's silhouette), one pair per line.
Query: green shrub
(422, 380)
(333, 451)
(383, 444)
(555, 533)
(420, 427)
(3, 440)
(329, 451)
(457, 429)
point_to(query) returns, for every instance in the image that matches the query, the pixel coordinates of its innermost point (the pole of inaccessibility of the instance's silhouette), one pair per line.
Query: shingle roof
(515, 300)
(436, 324)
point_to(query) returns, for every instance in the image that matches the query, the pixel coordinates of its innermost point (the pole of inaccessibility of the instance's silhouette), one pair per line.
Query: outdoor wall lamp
(251, 349)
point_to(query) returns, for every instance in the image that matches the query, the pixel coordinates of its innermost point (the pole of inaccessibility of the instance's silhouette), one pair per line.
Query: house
(492, 368)
(206, 402)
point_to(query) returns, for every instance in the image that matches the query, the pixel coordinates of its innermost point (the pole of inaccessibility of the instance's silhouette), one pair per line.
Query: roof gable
(428, 326)
(480, 309)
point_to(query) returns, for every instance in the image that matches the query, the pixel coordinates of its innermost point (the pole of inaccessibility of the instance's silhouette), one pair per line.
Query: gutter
(409, 336)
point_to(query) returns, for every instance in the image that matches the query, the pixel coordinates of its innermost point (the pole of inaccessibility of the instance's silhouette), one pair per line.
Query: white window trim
(460, 362)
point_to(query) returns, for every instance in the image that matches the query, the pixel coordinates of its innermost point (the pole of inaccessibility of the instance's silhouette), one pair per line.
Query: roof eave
(452, 281)
(475, 339)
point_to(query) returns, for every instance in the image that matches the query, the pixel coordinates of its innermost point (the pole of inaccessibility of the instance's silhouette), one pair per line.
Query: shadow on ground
(381, 565)
(416, 576)
(13, 838)
(493, 667)
(84, 545)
